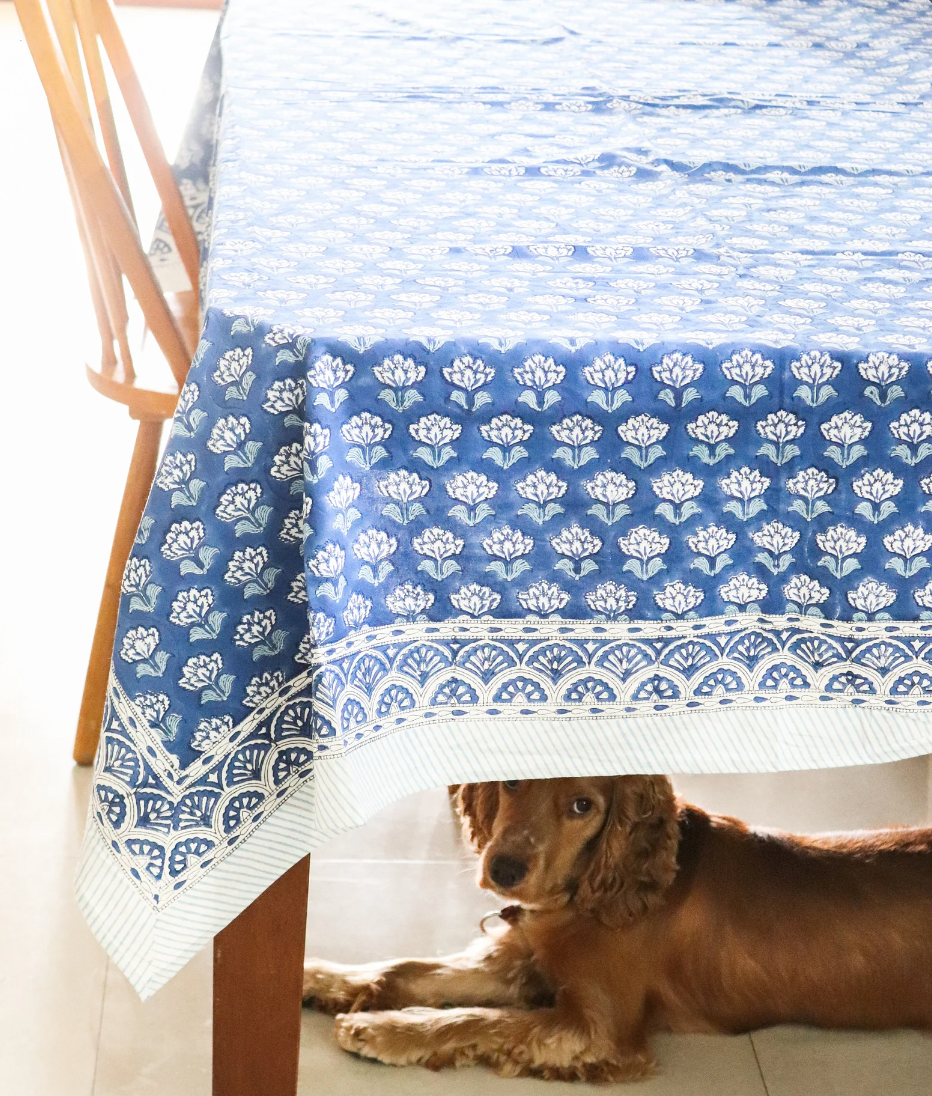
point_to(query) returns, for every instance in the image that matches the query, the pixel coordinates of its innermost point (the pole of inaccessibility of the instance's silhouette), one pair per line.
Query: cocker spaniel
(629, 913)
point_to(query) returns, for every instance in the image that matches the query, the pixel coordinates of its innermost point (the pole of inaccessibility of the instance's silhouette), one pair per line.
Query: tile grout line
(760, 1070)
(100, 1027)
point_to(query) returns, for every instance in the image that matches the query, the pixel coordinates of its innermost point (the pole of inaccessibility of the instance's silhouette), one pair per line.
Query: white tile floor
(69, 1023)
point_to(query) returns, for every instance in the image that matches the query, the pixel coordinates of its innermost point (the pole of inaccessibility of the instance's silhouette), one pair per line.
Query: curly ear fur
(634, 860)
(477, 806)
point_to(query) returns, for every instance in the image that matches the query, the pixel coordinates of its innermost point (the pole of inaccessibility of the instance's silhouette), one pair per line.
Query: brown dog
(635, 913)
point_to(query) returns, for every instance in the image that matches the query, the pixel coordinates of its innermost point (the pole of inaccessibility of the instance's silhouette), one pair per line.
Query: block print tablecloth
(563, 406)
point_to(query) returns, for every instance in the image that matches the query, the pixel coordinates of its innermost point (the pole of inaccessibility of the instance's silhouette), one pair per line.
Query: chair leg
(258, 976)
(138, 484)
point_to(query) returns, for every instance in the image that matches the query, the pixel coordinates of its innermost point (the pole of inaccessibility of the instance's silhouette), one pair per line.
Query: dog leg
(492, 972)
(555, 1043)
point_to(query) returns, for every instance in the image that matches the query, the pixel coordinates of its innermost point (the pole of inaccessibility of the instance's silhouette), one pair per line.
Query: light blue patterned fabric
(561, 362)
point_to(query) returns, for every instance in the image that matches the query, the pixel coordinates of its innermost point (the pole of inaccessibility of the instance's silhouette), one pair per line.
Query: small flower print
(576, 432)
(815, 370)
(233, 371)
(744, 592)
(712, 428)
(877, 487)
(677, 489)
(328, 563)
(475, 601)
(576, 543)
(611, 490)
(405, 489)
(608, 375)
(409, 603)
(909, 542)
(748, 370)
(611, 601)
(469, 375)
(803, 594)
(294, 529)
(257, 630)
(779, 431)
(188, 417)
(375, 547)
(541, 488)
(204, 674)
(923, 598)
(509, 546)
(288, 464)
(438, 545)
(644, 545)
(183, 543)
(678, 599)
(193, 608)
(321, 627)
(846, 430)
(471, 490)
(543, 599)
(435, 432)
(228, 436)
(643, 433)
(248, 567)
(356, 612)
(240, 504)
(286, 397)
(811, 485)
(176, 474)
(329, 373)
(154, 709)
(209, 732)
(342, 497)
(883, 371)
(712, 541)
(678, 372)
(871, 596)
(136, 582)
(366, 432)
(744, 486)
(139, 646)
(840, 543)
(507, 435)
(263, 687)
(912, 428)
(539, 375)
(228, 433)
(778, 541)
(183, 539)
(298, 592)
(399, 374)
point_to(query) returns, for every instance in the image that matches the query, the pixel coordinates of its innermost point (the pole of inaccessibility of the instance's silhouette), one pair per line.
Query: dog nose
(507, 871)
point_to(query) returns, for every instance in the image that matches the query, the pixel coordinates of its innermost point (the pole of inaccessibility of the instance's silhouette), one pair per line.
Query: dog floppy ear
(477, 805)
(634, 860)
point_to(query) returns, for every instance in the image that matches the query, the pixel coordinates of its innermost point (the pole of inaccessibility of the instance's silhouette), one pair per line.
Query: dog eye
(510, 784)
(582, 805)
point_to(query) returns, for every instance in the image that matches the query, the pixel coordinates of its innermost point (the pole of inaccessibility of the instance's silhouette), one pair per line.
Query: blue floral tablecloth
(562, 406)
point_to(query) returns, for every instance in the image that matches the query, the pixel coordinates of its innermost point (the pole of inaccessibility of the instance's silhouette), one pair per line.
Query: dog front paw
(396, 1038)
(333, 989)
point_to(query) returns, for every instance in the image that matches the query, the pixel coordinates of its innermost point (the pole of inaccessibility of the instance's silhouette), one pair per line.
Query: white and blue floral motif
(322, 560)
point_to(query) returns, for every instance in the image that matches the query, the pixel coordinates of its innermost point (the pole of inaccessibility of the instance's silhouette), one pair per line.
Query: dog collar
(509, 914)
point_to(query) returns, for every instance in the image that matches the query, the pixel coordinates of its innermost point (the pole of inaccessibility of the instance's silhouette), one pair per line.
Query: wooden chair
(69, 41)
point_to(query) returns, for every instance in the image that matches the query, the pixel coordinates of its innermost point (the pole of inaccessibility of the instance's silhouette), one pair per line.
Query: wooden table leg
(258, 973)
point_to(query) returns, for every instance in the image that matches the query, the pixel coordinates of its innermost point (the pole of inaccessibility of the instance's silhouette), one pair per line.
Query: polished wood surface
(138, 482)
(258, 970)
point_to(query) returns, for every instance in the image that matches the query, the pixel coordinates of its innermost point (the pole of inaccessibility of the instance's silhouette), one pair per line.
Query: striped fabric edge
(150, 946)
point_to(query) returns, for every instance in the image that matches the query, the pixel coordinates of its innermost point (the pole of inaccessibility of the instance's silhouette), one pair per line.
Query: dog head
(606, 845)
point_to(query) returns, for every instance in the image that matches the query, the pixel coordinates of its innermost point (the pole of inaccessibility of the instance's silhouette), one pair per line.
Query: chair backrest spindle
(65, 38)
